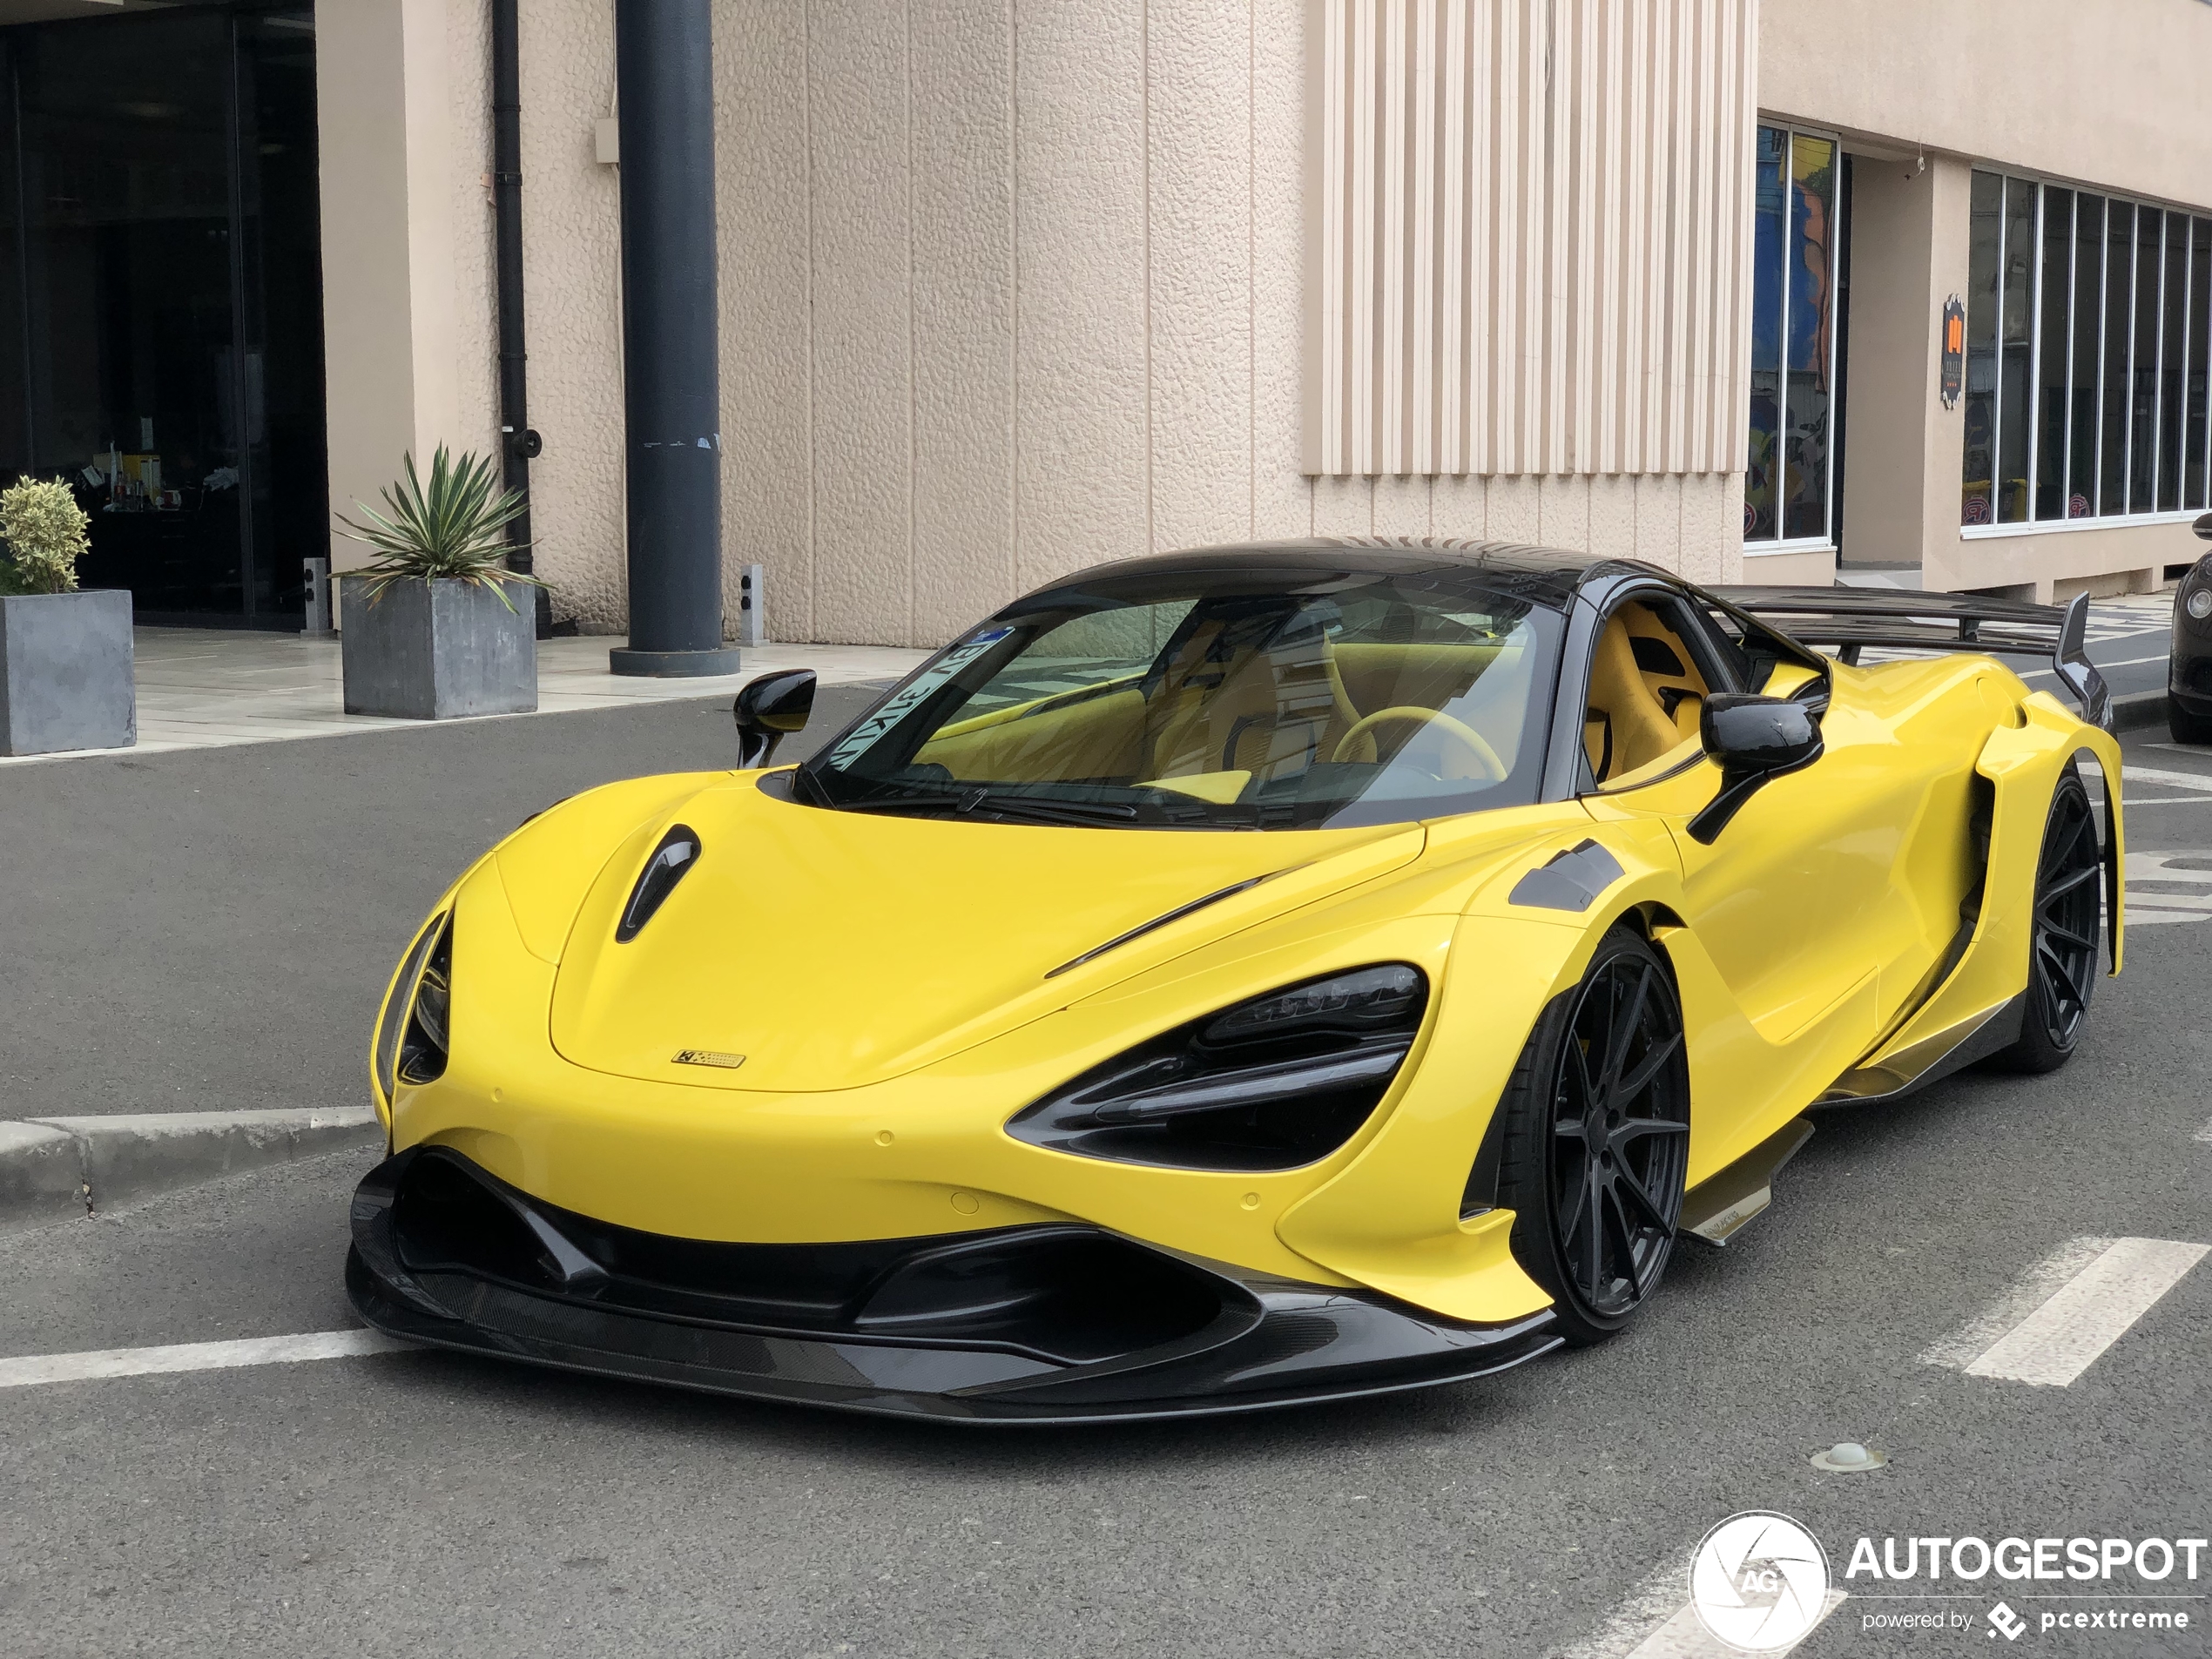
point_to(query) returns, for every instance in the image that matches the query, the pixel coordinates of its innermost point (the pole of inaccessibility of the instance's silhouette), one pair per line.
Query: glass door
(162, 258)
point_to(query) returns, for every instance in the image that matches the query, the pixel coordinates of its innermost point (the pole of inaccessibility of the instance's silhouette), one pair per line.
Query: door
(1788, 899)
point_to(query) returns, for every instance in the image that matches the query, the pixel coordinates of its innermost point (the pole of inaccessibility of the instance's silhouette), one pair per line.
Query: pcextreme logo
(1759, 1581)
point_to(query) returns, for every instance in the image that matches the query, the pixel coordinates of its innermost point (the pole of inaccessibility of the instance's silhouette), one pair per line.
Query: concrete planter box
(65, 677)
(438, 649)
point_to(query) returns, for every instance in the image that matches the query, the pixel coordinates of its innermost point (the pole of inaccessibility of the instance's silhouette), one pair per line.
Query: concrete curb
(54, 1168)
(2138, 710)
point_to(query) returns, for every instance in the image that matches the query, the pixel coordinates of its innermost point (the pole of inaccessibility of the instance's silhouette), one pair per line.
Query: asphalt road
(426, 1503)
(227, 920)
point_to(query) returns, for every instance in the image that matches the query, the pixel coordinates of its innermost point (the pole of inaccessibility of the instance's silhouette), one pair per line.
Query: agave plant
(451, 528)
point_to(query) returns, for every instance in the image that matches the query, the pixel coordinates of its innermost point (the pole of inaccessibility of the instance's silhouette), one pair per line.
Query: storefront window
(2083, 368)
(1790, 476)
(2051, 343)
(2088, 354)
(1986, 236)
(161, 312)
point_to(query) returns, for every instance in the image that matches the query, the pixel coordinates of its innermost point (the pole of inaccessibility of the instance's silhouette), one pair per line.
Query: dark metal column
(518, 445)
(671, 393)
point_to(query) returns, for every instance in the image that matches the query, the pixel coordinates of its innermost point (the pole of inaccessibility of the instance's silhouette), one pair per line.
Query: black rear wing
(1853, 618)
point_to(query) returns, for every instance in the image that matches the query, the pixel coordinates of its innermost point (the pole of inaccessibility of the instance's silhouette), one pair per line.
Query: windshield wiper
(987, 803)
(1048, 810)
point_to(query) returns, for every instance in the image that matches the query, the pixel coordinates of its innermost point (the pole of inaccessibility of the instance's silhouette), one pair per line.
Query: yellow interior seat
(1228, 707)
(1645, 695)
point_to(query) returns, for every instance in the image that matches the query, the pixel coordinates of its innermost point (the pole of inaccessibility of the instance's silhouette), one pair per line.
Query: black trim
(1055, 1323)
(1568, 881)
(1868, 1085)
(1855, 617)
(676, 856)
(1159, 922)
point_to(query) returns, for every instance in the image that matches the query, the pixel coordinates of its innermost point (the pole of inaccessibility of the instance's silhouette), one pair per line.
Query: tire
(1595, 1231)
(2062, 952)
(2184, 727)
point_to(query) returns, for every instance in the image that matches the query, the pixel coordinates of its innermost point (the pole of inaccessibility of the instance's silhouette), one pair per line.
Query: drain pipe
(517, 443)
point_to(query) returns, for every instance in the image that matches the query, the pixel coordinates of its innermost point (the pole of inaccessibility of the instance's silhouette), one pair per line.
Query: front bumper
(1054, 1322)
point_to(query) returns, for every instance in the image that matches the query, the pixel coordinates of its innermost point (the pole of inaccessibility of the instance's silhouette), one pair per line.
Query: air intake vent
(670, 862)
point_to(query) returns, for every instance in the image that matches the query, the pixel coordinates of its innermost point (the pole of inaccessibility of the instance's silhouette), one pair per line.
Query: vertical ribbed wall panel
(1531, 235)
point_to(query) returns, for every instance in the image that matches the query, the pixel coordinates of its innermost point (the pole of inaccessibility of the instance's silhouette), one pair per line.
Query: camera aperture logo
(1758, 1581)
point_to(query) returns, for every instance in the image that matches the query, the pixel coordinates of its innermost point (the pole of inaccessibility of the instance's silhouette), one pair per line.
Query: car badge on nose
(709, 1057)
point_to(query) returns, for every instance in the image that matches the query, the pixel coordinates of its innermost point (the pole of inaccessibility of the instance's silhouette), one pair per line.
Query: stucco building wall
(1013, 287)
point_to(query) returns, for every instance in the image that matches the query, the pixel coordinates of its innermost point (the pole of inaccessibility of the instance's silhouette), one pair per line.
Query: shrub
(44, 529)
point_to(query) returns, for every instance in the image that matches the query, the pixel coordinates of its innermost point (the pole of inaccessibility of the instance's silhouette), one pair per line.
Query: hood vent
(670, 862)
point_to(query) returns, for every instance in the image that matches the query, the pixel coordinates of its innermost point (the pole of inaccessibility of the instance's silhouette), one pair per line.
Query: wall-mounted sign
(1954, 351)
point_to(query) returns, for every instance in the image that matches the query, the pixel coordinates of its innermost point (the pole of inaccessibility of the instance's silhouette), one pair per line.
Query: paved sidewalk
(209, 688)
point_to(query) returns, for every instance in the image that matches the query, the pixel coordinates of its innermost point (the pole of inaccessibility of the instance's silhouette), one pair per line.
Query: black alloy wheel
(2062, 953)
(1597, 1139)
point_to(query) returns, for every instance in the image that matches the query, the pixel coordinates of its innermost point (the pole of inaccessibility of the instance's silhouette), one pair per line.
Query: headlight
(414, 1036)
(2200, 603)
(1269, 1084)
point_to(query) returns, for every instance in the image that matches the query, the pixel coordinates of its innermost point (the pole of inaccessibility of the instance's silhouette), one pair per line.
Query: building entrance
(160, 304)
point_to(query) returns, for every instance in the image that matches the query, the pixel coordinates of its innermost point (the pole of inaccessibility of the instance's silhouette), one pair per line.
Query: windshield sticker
(866, 735)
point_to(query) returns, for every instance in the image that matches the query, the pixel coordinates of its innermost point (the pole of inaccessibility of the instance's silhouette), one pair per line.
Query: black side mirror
(770, 709)
(1754, 740)
(2203, 527)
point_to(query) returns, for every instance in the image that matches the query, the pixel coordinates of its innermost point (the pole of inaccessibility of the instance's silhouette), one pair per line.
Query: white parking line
(1684, 1637)
(2174, 779)
(2067, 1310)
(37, 1368)
(2205, 1133)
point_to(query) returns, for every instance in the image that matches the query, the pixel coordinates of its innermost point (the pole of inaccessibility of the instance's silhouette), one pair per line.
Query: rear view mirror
(2203, 527)
(770, 709)
(1753, 740)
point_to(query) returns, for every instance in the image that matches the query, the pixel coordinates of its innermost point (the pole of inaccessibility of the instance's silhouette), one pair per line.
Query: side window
(1650, 670)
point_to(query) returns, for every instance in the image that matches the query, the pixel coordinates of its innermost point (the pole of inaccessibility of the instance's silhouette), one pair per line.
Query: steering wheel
(1362, 734)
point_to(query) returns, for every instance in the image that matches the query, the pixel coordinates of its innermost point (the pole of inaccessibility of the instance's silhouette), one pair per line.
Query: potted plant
(428, 631)
(65, 673)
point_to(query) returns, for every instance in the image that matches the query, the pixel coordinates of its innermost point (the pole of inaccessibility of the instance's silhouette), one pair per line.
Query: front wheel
(2062, 950)
(1597, 1139)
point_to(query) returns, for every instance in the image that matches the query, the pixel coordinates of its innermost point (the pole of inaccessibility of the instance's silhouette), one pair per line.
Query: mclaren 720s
(1233, 978)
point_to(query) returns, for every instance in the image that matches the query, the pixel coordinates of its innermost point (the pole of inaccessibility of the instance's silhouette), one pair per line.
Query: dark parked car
(2189, 679)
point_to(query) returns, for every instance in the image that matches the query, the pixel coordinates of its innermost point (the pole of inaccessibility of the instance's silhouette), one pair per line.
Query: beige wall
(393, 334)
(1902, 447)
(410, 324)
(1011, 289)
(1007, 289)
(2110, 92)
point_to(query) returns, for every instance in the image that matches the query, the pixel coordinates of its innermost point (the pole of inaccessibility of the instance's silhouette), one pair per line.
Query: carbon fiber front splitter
(1041, 1324)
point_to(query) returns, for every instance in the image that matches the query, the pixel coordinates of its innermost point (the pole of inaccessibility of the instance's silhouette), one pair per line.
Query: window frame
(2195, 364)
(1779, 545)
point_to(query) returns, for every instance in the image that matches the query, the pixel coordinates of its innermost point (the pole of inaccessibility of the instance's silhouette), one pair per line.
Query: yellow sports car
(1228, 978)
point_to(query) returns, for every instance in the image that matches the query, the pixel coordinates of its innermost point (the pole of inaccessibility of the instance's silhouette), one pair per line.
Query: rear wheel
(2185, 727)
(1597, 1139)
(2062, 953)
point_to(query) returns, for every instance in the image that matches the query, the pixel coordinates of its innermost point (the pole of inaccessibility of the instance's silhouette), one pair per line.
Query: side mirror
(1753, 739)
(2203, 527)
(770, 709)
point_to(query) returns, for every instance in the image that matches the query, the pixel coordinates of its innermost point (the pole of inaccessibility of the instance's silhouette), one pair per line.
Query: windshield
(1241, 699)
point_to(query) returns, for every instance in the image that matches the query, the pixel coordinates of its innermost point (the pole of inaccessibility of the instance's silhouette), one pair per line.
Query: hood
(834, 949)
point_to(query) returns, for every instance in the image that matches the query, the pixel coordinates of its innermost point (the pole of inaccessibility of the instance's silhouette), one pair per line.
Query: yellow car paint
(885, 1048)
